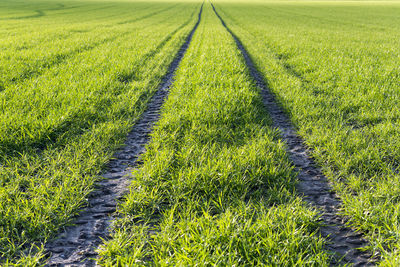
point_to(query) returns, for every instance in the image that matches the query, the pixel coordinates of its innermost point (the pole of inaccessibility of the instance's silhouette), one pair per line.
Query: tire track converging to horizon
(76, 245)
(344, 242)
(61, 129)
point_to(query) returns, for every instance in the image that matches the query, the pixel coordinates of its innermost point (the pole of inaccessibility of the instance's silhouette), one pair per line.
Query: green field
(335, 69)
(215, 186)
(69, 95)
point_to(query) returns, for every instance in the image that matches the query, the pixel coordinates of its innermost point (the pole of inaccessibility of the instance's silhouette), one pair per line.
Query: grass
(67, 109)
(30, 52)
(334, 67)
(216, 187)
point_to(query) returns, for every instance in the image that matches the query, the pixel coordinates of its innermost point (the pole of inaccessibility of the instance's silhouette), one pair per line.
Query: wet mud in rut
(314, 187)
(76, 245)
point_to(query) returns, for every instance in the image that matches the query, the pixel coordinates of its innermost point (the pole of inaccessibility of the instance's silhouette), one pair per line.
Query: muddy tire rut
(76, 245)
(313, 186)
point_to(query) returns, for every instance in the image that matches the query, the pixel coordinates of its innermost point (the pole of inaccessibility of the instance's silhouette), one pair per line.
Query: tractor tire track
(76, 245)
(67, 124)
(127, 78)
(345, 243)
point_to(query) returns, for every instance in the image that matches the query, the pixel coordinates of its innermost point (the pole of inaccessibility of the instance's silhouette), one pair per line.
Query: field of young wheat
(199, 133)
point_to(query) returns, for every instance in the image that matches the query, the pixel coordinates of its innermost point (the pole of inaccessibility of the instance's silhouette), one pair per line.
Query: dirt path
(313, 185)
(76, 245)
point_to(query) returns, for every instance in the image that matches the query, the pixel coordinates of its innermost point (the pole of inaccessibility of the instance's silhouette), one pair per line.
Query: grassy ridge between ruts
(334, 67)
(59, 128)
(215, 187)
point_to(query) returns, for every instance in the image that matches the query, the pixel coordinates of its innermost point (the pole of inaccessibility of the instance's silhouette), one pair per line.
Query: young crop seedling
(216, 187)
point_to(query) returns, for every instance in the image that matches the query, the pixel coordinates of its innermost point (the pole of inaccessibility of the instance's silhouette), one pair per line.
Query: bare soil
(76, 245)
(313, 186)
